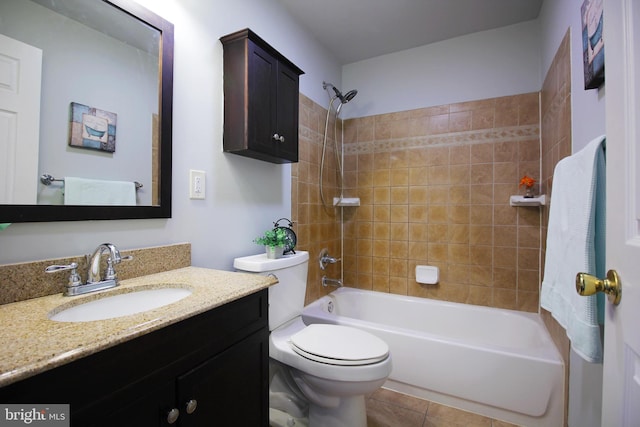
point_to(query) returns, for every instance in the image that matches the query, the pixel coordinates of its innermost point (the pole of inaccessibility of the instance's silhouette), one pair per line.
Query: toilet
(318, 374)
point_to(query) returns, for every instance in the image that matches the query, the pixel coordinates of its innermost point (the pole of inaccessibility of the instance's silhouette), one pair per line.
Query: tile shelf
(540, 200)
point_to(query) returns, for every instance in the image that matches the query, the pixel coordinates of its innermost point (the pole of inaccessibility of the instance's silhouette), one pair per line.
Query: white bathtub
(494, 362)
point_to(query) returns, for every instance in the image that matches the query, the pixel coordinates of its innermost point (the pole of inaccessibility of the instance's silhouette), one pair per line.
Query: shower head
(346, 97)
(343, 98)
(349, 96)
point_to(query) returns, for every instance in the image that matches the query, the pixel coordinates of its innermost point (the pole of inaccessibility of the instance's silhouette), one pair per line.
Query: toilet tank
(286, 298)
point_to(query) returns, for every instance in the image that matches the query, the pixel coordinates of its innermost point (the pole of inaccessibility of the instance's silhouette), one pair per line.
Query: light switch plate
(196, 184)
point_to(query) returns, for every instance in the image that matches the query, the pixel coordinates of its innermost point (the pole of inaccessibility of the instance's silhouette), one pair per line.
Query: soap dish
(346, 201)
(528, 201)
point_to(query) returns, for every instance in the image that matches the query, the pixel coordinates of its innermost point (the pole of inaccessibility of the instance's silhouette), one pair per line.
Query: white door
(621, 373)
(20, 81)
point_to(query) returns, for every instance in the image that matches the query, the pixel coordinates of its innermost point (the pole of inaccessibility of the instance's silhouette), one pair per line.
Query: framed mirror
(98, 117)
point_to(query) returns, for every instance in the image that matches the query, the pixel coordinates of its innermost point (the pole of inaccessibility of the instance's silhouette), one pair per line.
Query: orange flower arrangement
(527, 181)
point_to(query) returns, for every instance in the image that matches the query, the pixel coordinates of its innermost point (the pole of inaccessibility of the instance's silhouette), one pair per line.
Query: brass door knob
(587, 284)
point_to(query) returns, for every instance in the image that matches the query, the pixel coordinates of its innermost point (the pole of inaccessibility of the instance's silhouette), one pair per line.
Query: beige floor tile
(402, 400)
(382, 414)
(386, 408)
(457, 416)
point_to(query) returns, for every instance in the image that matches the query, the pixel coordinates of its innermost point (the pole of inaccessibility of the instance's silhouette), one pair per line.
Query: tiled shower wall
(316, 226)
(434, 186)
(556, 144)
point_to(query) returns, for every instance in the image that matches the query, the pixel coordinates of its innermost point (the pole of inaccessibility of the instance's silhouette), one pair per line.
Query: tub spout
(331, 282)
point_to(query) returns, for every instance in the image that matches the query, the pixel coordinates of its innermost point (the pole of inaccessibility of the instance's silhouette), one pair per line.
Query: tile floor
(386, 408)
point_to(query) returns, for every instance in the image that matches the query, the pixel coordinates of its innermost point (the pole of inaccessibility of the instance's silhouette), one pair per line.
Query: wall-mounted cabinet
(261, 91)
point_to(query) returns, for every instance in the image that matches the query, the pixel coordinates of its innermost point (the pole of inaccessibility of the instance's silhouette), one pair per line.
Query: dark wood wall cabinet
(261, 91)
(210, 369)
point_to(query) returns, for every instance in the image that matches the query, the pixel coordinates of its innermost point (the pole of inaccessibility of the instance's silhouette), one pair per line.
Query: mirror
(104, 110)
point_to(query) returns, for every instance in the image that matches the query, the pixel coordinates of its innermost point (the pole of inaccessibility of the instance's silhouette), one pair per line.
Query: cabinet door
(231, 389)
(149, 409)
(287, 113)
(263, 97)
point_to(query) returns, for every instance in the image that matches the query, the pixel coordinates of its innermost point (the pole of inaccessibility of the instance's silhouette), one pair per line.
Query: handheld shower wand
(343, 100)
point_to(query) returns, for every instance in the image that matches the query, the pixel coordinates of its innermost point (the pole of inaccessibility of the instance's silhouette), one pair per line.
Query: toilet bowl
(319, 374)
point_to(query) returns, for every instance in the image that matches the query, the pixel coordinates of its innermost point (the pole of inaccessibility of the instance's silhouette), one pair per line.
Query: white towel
(575, 244)
(83, 191)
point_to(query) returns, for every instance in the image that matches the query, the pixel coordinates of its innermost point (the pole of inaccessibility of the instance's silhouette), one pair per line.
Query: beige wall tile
(432, 192)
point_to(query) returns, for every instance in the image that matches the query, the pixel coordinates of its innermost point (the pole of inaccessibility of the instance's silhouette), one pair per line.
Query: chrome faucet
(95, 282)
(94, 263)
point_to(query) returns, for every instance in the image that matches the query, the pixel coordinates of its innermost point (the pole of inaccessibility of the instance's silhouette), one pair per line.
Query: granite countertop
(30, 343)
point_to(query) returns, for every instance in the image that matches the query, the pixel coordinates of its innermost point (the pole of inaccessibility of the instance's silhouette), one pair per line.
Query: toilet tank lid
(260, 263)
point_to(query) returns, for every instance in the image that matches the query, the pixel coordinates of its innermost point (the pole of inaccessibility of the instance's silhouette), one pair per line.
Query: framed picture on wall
(592, 43)
(92, 128)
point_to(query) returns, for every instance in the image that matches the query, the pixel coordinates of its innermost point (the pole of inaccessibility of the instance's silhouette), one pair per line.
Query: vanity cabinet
(261, 91)
(212, 368)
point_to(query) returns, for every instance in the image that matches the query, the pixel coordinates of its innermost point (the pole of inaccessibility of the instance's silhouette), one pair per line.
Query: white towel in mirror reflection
(83, 191)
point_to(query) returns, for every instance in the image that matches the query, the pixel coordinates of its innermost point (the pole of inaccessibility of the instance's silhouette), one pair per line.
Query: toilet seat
(339, 345)
(281, 349)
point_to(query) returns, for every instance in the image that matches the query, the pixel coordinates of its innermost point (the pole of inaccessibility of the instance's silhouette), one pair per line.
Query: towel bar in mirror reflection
(123, 28)
(47, 179)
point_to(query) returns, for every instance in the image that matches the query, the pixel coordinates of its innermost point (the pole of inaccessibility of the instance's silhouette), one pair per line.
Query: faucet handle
(118, 259)
(74, 277)
(325, 259)
(110, 273)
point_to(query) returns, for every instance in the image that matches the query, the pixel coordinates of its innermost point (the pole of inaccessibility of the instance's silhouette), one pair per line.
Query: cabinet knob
(191, 406)
(278, 137)
(172, 415)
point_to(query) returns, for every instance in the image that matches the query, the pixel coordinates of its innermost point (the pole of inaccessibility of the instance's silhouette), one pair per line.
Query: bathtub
(494, 362)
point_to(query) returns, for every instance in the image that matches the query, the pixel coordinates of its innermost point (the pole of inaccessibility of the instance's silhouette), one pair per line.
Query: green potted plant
(274, 242)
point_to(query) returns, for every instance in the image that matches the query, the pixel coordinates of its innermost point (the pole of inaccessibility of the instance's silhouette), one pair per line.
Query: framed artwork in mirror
(92, 128)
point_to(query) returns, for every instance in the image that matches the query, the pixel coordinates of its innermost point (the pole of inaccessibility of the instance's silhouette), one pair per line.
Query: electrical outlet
(196, 184)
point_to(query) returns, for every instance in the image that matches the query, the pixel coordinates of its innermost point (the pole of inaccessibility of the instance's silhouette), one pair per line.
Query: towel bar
(47, 179)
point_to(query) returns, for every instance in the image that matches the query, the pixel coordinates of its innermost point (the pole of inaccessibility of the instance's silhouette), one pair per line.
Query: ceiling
(354, 30)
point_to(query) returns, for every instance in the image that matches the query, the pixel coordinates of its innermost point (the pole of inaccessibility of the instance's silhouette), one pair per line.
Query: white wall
(500, 62)
(243, 196)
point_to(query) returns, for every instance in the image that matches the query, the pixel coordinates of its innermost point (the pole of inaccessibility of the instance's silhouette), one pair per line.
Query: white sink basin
(120, 305)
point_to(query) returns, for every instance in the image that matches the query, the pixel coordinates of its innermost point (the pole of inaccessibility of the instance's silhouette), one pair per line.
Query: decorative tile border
(506, 134)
